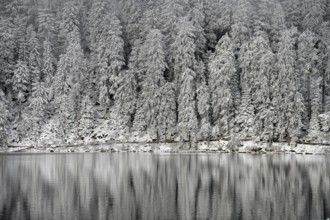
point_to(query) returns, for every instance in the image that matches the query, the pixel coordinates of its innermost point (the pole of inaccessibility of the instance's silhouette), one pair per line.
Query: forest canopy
(184, 70)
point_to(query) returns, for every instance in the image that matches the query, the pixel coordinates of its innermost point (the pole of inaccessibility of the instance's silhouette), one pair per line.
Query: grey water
(127, 186)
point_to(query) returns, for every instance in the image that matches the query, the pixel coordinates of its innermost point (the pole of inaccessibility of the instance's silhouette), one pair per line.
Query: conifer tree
(38, 101)
(245, 118)
(241, 28)
(287, 98)
(310, 78)
(34, 57)
(48, 68)
(155, 67)
(7, 53)
(47, 24)
(86, 122)
(222, 70)
(185, 78)
(198, 19)
(167, 113)
(313, 12)
(203, 107)
(110, 59)
(126, 98)
(294, 12)
(262, 69)
(4, 119)
(20, 81)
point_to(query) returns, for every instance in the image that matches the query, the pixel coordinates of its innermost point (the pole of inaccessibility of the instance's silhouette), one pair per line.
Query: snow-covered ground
(202, 147)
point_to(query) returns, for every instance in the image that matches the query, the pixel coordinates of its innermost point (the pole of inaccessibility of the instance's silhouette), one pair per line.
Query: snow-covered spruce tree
(184, 54)
(241, 28)
(225, 19)
(169, 17)
(293, 12)
(76, 76)
(34, 62)
(287, 99)
(48, 69)
(203, 108)
(155, 66)
(310, 79)
(38, 101)
(222, 69)
(185, 79)
(71, 72)
(262, 69)
(68, 85)
(70, 25)
(277, 24)
(61, 97)
(327, 80)
(130, 15)
(244, 120)
(110, 59)
(7, 55)
(197, 17)
(149, 18)
(95, 19)
(46, 23)
(20, 81)
(313, 12)
(86, 122)
(213, 20)
(296, 120)
(167, 113)
(4, 119)
(125, 98)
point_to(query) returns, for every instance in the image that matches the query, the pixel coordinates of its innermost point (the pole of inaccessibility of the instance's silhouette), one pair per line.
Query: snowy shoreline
(202, 147)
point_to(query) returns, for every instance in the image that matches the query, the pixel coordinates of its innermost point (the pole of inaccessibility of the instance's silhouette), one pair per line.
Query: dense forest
(183, 70)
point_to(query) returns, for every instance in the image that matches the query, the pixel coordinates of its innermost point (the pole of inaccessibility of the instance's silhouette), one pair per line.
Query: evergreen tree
(225, 19)
(4, 119)
(203, 107)
(222, 70)
(167, 113)
(86, 122)
(70, 23)
(241, 28)
(184, 54)
(62, 89)
(38, 101)
(110, 58)
(310, 78)
(131, 14)
(20, 81)
(48, 68)
(46, 23)
(198, 19)
(313, 12)
(262, 69)
(213, 20)
(187, 120)
(288, 100)
(7, 53)
(155, 68)
(34, 58)
(185, 78)
(293, 11)
(245, 117)
(126, 98)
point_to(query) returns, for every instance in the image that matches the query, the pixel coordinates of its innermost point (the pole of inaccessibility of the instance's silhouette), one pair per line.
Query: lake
(127, 186)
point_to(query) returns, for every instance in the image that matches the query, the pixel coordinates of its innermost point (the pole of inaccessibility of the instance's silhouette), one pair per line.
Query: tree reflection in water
(147, 186)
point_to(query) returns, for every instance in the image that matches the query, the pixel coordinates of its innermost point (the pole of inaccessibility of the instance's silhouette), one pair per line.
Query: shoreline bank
(202, 147)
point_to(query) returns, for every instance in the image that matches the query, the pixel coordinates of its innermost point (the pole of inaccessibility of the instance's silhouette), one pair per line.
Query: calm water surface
(147, 186)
